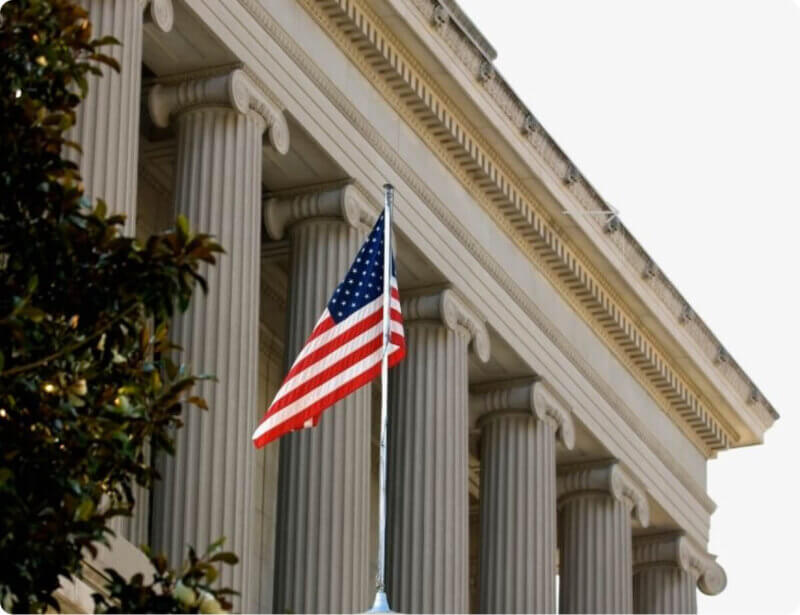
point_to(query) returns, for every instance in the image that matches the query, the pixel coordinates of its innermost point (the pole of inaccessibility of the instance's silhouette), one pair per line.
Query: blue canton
(364, 282)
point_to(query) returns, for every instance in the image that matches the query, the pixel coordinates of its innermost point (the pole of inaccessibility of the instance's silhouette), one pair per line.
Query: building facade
(560, 400)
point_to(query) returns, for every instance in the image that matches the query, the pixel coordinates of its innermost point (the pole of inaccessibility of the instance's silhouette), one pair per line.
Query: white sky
(685, 115)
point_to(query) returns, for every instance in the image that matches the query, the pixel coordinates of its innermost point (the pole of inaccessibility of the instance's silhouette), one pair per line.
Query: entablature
(596, 265)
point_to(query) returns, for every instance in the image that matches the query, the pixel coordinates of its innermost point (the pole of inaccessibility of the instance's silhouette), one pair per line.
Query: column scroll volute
(532, 398)
(346, 203)
(604, 477)
(160, 13)
(446, 306)
(234, 89)
(676, 549)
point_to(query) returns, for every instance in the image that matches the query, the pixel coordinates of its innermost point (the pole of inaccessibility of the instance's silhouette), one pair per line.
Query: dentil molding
(414, 94)
(359, 122)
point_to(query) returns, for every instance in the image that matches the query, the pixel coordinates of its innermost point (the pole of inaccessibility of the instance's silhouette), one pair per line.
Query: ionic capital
(347, 203)
(447, 307)
(159, 12)
(603, 477)
(233, 89)
(532, 398)
(674, 549)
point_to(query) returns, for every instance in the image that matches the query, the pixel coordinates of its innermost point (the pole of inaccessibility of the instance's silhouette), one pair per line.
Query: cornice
(674, 549)
(448, 308)
(533, 399)
(578, 480)
(360, 123)
(628, 249)
(416, 97)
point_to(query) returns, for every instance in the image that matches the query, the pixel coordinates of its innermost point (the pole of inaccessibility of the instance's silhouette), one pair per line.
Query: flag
(344, 351)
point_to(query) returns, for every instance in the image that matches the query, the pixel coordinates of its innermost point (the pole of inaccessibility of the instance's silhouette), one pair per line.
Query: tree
(87, 376)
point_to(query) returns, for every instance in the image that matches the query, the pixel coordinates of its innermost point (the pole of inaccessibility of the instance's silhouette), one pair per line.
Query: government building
(552, 423)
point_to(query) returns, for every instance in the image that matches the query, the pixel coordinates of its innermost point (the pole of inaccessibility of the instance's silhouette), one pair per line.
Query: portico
(557, 384)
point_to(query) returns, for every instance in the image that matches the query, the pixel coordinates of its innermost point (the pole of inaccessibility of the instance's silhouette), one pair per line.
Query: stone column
(428, 508)
(107, 121)
(205, 490)
(322, 537)
(107, 129)
(667, 568)
(519, 426)
(596, 502)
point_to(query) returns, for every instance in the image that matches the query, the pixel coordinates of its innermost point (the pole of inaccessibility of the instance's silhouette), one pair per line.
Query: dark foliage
(85, 375)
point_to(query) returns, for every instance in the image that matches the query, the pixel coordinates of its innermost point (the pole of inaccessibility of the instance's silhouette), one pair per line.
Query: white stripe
(297, 406)
(360, 314)
(325, 362)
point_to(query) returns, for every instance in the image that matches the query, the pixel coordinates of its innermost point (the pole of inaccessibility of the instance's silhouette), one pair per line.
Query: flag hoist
(359, 335)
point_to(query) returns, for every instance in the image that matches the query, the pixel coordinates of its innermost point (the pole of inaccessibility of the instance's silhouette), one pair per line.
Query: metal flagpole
(381, 604)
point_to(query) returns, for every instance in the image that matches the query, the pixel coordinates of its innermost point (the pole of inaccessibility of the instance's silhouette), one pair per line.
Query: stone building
(560, 400)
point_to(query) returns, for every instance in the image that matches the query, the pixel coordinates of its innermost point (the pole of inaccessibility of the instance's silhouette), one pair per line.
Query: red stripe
(315, 409)
(323, 326)
(326, 374)
(347, 335)
(340, 340)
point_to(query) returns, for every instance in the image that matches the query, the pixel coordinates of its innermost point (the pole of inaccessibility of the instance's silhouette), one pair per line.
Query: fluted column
(322, 543)
(107, 121)
(107, 129)
(519, 426)
(596, 502)
(667, 568)
(428, 509)
(205, 491)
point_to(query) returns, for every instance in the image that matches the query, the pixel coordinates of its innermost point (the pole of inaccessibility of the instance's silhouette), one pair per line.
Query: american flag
(345, 348)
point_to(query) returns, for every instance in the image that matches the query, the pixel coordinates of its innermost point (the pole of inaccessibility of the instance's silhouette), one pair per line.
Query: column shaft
(427, 516)
(322, 543)
(518, 515)
(664, 589)
(596, 566)
(205, 492)
(107, 121)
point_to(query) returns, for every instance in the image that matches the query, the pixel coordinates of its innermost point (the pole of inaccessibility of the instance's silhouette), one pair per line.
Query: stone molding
(533, 398)
(470, 53)
(346, 203)
(448, 308)
(674, 549)
(606, 477)
(326, 85)
(414, 94)
(233, 89)
(159, 12)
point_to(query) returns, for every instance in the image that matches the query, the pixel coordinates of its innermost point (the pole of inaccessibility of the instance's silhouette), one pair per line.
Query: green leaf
(183, 227)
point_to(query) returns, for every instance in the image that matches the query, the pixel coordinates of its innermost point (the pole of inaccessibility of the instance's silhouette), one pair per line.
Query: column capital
(675, 549)
(233, 89)
(159, 12)
(603, 477)
(448, 308)
(346, 202)
(533, 398)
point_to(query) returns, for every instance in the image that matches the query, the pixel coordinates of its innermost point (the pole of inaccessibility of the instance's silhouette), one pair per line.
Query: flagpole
(381, 603)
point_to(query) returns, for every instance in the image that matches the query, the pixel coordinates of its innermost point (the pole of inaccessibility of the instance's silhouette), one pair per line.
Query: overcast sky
(685, 115)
